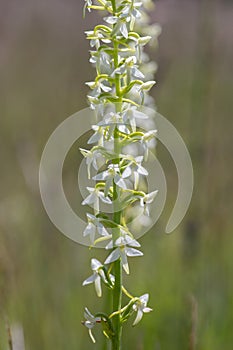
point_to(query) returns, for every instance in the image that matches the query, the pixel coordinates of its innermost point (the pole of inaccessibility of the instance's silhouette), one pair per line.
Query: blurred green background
(43, 67)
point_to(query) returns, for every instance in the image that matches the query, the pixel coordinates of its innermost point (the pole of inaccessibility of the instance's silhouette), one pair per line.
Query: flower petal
(108, 184)
(89, 280)
(132, 242)
(102, 230)
(127, 172)
(88, 316)
(95, 264)
(124, 261)
(105, 88)
(109, 245)
(94, 138)
(120, 182)
(91, 336)
(113, 256)
(98, 286)
(101, 176)
(90, 199)
(137, 74)
(124, 30)
(138, 317)
(144, 298)
(151, 196)
(139, 115)
(141, 170)
(89, 230)
(111, 19)
(104, 199)
(133, 252)
(92, 237)
(136, 180)
(147, 309)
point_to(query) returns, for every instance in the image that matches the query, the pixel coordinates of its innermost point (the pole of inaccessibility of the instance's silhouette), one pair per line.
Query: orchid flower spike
(122, 137)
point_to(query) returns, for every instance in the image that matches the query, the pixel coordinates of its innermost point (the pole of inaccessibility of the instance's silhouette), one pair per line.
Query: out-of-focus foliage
(43, 67)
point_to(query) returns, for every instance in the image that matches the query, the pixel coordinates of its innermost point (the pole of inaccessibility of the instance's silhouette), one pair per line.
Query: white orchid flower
(120, 24)
(95, 227)
(95, 196)
(98, 136)
(95, 278)
(122, 251)
(114, 120)
(144, 88)
(123, 29)
(130, 13)
(147, 200)
(98, 87)
(141, 307)
(138, 170)
(92, 158)
(113, 174)
(130, 116)
(111, 19)
(95, 38)
(90, 322)
(103, 61)
(145, 141)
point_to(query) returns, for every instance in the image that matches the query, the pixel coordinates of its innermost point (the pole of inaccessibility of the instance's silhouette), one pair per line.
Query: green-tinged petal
(136, 180)
(98, 286)
(124, 261)
(108, 185)
(138, 317)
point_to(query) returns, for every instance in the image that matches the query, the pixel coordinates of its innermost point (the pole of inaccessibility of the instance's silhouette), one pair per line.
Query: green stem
(117, 295)
(114, 6)
(117, 290)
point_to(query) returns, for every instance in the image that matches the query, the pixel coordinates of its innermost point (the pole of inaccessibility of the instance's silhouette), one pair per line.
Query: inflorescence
(119, 149)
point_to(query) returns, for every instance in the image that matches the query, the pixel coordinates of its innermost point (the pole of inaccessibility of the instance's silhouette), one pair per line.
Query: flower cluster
(117, 95)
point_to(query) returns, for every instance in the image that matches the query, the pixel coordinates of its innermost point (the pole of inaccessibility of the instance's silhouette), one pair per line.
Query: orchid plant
(119, 148)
